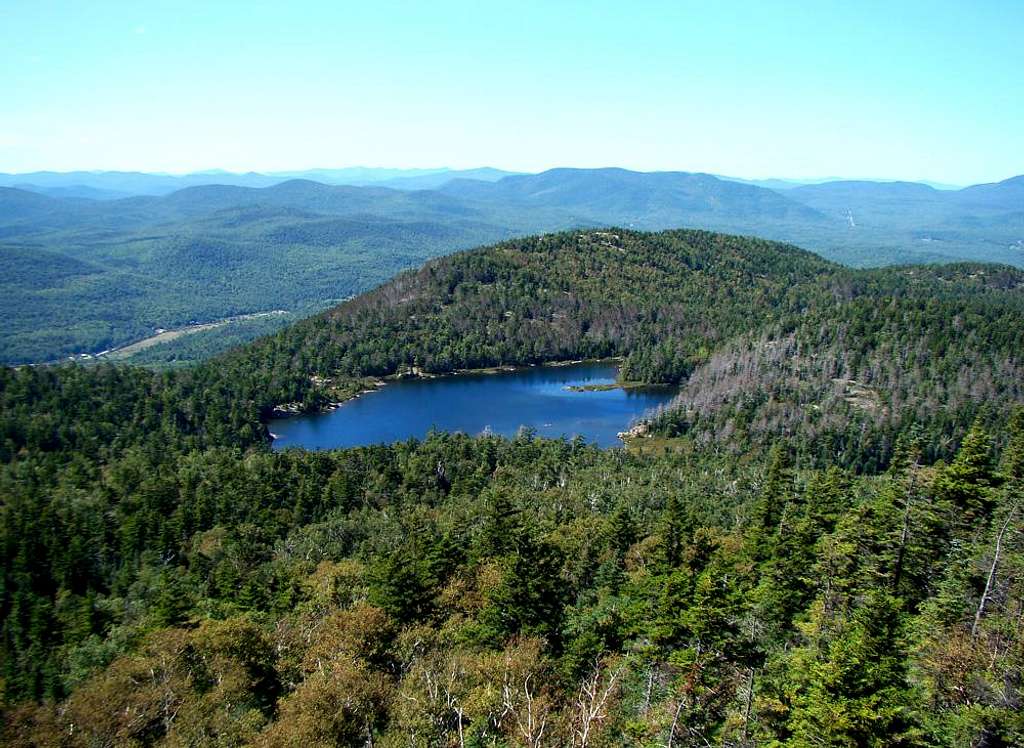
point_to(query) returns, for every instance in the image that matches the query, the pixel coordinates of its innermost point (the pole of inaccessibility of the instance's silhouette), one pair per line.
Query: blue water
(476, 403)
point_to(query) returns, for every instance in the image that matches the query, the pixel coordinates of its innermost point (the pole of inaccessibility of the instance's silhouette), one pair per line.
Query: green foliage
(852, 688)
(790, 567)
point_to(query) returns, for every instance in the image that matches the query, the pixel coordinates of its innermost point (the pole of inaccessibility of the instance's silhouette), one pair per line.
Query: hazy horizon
(920, 91)
(213, 170)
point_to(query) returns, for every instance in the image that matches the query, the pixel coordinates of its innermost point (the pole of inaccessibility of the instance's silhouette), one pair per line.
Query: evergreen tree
(854, 690)
(968, 481)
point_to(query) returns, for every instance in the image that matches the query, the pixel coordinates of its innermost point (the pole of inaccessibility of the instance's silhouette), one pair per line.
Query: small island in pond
(603, 387)
(606, 386)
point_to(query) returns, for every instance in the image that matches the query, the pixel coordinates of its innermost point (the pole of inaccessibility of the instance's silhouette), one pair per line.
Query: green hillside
(820, 543)
(90, 275)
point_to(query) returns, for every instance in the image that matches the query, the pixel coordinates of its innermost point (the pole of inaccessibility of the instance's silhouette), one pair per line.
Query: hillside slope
(679, 301)
(823, 538)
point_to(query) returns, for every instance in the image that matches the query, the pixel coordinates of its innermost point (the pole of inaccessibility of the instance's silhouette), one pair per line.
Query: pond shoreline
(567, 398)
(376, 384)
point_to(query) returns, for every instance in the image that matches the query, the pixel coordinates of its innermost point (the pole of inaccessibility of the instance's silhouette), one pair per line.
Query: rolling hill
(125, 267)
(772, 321)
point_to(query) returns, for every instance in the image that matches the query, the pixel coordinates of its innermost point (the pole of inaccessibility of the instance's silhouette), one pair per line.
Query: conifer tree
(854, 690)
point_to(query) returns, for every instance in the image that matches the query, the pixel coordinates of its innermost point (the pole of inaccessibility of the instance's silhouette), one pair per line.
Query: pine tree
(171, 604)
(968, 481)
(502, 527)
(400, 585)
(623, 531)
(771, 506)
(674, 530)
(1012, 465)
(855, 691)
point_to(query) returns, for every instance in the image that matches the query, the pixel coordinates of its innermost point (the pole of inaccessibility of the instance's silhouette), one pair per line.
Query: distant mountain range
(855, 222)
(788, 184)
(86, 270)
(645, 200)
(112, 185)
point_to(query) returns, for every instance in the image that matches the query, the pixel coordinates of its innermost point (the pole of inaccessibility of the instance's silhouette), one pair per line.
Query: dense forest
(85, 276)
(83, 279)
(820, 542)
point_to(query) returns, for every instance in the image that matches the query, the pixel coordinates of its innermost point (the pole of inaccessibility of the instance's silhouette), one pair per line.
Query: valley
(88, 275)
(162, 336)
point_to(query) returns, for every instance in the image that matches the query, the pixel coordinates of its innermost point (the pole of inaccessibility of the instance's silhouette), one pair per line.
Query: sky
(927, 90)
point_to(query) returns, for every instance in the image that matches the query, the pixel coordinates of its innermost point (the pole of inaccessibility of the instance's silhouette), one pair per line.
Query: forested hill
(769, 338)
(822, 543)
(571, 295)
(84, 276)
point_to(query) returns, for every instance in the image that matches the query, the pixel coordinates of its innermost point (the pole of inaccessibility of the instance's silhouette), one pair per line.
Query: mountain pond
(543, 398)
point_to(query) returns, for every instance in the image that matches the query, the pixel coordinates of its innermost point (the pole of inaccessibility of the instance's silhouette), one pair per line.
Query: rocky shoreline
(641, 429)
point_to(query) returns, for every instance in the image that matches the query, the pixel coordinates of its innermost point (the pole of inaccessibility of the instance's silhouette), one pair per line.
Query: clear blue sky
(916, 90)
